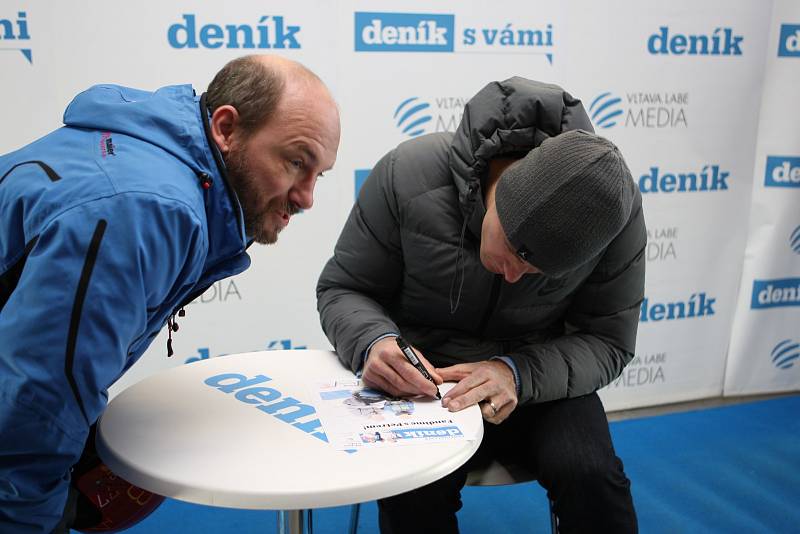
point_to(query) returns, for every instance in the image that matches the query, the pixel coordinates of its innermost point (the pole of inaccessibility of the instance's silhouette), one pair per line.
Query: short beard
(245, 185)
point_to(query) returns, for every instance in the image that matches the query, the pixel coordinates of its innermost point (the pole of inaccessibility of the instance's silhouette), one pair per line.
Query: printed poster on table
(356, 417)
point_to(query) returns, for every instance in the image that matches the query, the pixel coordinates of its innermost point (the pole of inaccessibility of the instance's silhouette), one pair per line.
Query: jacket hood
(166, 118)
(509, 117)
(169, 118)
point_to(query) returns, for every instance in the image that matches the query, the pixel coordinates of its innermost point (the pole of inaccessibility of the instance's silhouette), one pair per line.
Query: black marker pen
(408, 352)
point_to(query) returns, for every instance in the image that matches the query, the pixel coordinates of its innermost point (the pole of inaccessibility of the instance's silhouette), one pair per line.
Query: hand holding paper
(490, 383)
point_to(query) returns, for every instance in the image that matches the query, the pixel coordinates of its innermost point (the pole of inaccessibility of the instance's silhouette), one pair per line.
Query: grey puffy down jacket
(395, 267)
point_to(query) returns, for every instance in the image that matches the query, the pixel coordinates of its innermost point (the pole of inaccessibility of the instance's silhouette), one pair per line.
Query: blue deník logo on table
(412, 116)
(404, 32)
(789, 41)
(605, 110)
(717, 42)
(782, 171)
(785, 353)
(269, 31)
(14, 35)
(253, 393)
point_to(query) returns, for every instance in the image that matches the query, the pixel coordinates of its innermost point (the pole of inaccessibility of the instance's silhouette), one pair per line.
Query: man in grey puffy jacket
(510, 255)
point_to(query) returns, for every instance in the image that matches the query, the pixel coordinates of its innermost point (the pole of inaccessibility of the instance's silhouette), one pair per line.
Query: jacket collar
(224, 216)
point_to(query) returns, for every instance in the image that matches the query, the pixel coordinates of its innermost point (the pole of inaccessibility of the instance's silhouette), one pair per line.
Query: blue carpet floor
(726, 470)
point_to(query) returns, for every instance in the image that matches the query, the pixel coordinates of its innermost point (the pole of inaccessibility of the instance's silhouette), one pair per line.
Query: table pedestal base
(293, 522)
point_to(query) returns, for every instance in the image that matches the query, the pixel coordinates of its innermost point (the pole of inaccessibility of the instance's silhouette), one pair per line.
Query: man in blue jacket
(110, 224)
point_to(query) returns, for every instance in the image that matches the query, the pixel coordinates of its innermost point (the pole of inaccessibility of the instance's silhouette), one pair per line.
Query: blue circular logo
(785, 353)
(411, 116)
(605, 109)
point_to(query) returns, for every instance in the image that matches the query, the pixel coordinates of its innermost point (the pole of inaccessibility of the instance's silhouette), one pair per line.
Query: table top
(183, 433)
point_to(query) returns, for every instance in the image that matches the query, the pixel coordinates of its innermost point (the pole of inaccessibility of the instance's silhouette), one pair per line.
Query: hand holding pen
(412, 358)
(388, 369)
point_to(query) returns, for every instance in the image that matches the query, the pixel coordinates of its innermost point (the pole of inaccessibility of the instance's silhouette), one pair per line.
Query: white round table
(183, 433)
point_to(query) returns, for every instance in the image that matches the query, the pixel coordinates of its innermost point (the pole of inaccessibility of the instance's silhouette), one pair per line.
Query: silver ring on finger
(493, 407)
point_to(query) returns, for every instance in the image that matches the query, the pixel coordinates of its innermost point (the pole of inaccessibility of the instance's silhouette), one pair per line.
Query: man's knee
(585, 469)
(574, 444)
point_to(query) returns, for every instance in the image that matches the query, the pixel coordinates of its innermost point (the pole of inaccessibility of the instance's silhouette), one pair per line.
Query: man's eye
(298, 163)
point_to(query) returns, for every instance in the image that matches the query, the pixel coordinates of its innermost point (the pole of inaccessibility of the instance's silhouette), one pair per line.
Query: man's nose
(513, 272)
(302, 194)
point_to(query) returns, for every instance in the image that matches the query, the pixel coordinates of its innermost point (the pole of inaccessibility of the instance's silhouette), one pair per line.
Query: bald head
(303, 91)
(255, 86)
(286, 68)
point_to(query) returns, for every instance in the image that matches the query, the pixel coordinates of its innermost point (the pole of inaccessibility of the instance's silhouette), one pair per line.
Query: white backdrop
(699, 99)
(765, 343)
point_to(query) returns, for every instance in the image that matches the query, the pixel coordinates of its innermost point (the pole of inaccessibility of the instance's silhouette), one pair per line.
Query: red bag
(105, 502)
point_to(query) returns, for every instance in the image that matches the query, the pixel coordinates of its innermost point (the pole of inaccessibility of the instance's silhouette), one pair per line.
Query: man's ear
(224, 121)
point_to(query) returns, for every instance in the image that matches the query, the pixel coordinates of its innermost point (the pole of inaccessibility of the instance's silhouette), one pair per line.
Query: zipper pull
(471, 192)
(172, 326)
(205, 180)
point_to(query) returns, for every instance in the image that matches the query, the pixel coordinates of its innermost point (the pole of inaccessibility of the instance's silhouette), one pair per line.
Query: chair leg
(354, 510)
(553, 518)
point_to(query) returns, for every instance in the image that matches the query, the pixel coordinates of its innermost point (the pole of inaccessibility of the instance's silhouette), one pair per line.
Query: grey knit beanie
(563, 203)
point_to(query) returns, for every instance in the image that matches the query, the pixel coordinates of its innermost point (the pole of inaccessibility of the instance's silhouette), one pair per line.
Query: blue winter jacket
(105, 231)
